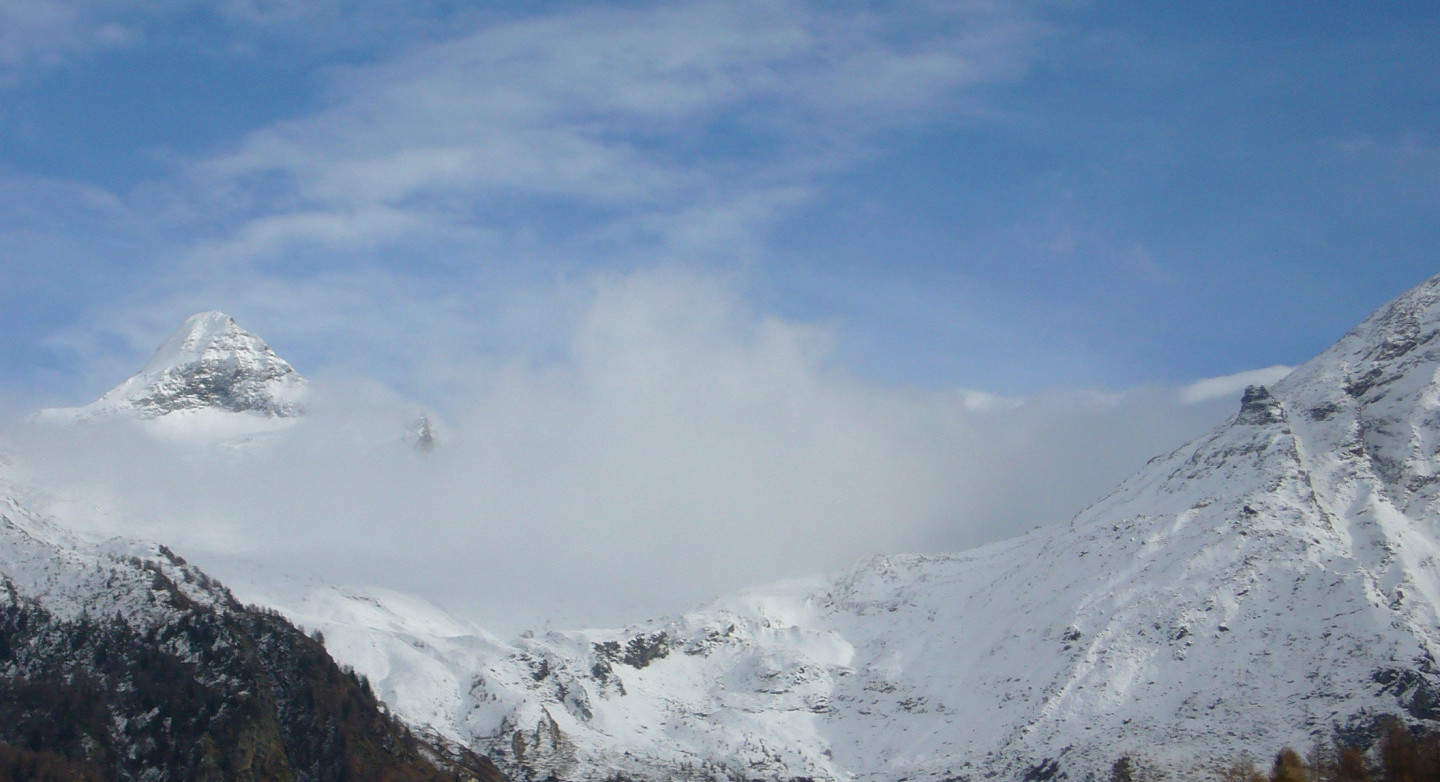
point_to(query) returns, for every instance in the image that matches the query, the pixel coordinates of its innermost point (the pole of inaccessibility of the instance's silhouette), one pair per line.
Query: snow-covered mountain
(1273, 582)
(119, 660)
(211, 380)
(210, 364)
(214, 382)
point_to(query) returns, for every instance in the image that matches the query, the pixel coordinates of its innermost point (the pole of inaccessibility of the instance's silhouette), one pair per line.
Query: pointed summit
(201, 332)
(209, 363)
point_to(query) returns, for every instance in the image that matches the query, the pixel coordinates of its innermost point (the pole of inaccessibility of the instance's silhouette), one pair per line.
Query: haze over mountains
(1273, 581)
(670, 456)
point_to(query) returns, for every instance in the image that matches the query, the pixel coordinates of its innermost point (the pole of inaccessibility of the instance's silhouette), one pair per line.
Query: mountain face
(119, 661)
(1274, 582)
(209, 365)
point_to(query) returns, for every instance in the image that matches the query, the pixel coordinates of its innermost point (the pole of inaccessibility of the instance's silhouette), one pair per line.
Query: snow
(209, 365)
(1249, 590)
(1263, 585)
(45, 564)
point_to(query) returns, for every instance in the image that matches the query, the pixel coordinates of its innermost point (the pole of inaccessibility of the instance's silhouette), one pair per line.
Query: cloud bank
(679, 444)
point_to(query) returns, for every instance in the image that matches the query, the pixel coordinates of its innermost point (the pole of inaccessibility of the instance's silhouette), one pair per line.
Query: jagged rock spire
(1259, 407)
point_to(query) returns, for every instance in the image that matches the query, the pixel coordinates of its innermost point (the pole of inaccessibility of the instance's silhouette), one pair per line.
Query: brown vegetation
(1398, 754)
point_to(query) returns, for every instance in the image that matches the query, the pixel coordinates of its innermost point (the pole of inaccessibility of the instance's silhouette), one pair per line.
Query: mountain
(1276, 581)
(120, 661)
(209, 365)
(1272, 582)
(211, 381)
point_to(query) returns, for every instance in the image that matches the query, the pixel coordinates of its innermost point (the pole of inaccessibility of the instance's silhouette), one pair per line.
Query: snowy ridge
(45, 565)
(414, 653)
(1269, 583)
(142, 667)
(209, 366)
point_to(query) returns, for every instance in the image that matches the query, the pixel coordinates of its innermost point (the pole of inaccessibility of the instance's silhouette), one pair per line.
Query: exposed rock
(423, 435)
(1259, 408)
(210, 363)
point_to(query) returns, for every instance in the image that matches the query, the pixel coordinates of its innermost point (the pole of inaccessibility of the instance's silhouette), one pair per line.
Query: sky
(761, 253)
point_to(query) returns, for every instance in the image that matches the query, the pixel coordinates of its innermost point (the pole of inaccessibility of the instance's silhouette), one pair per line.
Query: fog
(680, 445)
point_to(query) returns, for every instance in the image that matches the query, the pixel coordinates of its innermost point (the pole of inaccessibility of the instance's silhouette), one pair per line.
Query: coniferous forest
(235, 694)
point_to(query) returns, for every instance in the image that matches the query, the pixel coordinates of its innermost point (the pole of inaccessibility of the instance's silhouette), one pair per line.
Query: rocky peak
(422, 435)
(210, 363)
(1408, 322)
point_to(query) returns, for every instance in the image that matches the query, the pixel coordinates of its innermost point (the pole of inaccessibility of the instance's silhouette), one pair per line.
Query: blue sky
(1008, 196)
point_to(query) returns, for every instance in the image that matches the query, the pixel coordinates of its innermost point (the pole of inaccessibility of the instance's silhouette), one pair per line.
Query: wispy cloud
(522, 151)
(44, 33)
(1228, 386)
(38, 36)
(631, 115)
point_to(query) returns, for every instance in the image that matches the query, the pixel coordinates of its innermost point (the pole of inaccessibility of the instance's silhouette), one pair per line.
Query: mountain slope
(120, 661)
(1272, 582)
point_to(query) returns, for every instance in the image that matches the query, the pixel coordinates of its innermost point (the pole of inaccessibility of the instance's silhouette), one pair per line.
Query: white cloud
(507, 152)
(269, 237)
(44, 32)
(679, 444)
(1230, 385)
(644, 114)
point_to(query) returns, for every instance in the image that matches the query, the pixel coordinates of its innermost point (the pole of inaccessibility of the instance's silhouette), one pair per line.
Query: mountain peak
(197, 334)
(209, 363)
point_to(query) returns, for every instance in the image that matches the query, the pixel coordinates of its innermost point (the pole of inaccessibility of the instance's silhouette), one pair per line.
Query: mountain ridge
(1258, 586)
(1274, 581)
(120, 661)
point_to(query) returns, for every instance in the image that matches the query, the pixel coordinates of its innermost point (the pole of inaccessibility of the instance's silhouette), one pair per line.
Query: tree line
(1399, 753)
